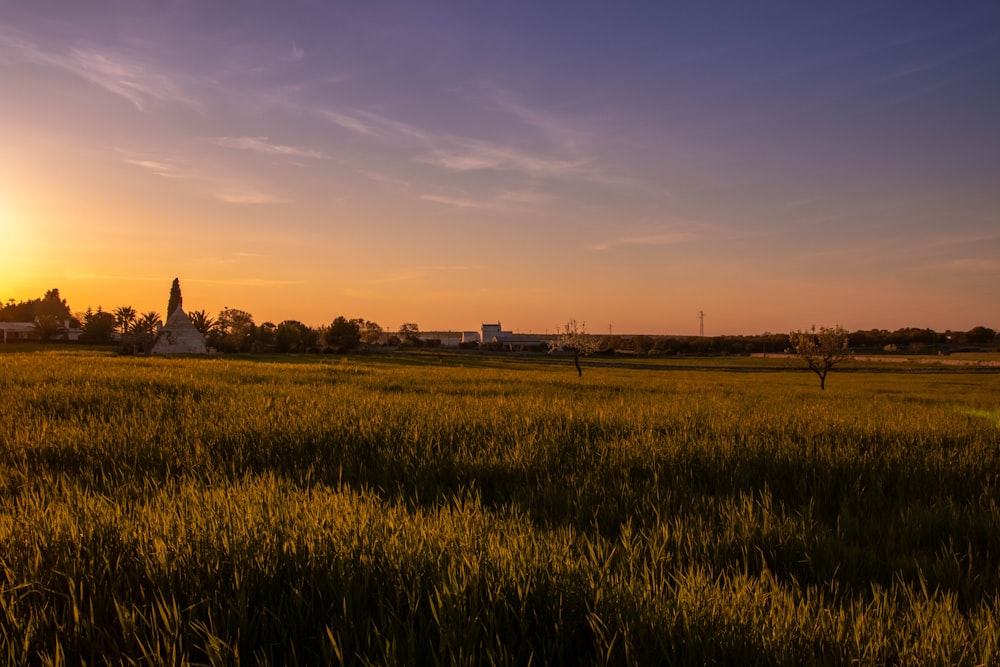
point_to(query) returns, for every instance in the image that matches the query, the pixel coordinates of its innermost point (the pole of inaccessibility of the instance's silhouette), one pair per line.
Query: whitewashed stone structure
(178, 336)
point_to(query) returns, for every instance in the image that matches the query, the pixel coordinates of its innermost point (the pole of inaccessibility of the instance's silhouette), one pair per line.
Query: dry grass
(417, 511)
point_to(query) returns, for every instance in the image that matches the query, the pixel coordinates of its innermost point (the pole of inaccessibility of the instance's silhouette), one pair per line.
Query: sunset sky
(773, 164)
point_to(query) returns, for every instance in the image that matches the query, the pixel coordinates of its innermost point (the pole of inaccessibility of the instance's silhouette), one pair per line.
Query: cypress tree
(175, 298)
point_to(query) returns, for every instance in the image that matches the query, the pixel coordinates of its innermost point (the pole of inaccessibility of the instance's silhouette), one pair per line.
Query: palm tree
(149, 322)
(124, 319)
(202, 321)
(146, 328)
(125, 326)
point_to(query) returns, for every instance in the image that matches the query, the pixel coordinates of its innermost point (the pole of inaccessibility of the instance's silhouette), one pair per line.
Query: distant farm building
(494, 336)
(19, 332)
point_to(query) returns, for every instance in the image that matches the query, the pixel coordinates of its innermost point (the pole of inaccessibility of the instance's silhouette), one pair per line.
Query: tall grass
(436, 510)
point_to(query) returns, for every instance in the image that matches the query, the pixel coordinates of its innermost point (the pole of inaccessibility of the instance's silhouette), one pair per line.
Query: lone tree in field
(175, 298)
(821, 349)
(575, 337)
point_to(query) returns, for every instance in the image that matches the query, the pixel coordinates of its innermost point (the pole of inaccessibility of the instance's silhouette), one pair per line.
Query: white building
(179, 336)
(27, 331)
(508, 340)
(494, 333)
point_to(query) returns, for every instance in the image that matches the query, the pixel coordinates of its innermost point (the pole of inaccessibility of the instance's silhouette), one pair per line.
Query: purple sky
(775, 165)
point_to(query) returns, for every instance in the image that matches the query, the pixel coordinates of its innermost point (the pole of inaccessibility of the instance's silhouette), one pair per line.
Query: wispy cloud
(400, 276)
(109, 276)
(475, 155)
(348, 122)
(246, 282)
(246, 195)
(119, 72)
(669, 238)
(457, 267)
(375, 125)
(417, 272)
(969, 265)
(295, 54)
(457, 202)
(264, 146)
(927, 63)
(938, 244)
(157, 167)
(512, 200)
(553, 128)
(385, 179)
(467, 154)
(125, 75)
(231, 190)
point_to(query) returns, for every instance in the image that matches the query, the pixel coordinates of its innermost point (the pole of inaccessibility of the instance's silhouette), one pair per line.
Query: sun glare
(14, 243)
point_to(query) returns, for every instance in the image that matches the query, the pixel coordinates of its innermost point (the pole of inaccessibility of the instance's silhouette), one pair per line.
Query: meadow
(455, 509)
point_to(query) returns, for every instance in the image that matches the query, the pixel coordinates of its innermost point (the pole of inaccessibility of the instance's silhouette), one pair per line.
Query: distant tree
(370, 332)
(98, 327)
(124, 319)
(610, 343)
(202, 321)
(821, 349)
(51, 314)
(666, 345)
(343, 335)
(642, 344)
(285, 336)
(310, 338)
(980, 335)
(408, 333)
(22, 311)
(145, 329)
(263, 337)
(149, 322)
(574, 337)
(293, 336)
(234, 330)
(176, 300)
(873, 338)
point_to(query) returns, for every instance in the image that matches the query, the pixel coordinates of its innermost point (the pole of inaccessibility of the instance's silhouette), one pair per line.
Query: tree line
(235, 330)
(230, 330)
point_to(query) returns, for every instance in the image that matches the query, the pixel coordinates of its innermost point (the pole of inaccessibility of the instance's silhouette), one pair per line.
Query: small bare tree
(575, 337)
(821, 349)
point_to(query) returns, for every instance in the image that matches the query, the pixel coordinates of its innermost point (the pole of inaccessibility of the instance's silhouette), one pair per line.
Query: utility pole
(701, 323)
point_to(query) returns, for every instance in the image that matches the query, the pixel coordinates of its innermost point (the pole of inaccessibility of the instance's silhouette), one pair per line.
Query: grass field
(455, 509)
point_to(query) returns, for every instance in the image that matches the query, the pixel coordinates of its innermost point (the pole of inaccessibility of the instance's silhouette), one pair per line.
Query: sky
(772, 165)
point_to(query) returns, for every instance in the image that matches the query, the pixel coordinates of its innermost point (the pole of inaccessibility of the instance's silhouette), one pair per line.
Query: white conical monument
(178, 335)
